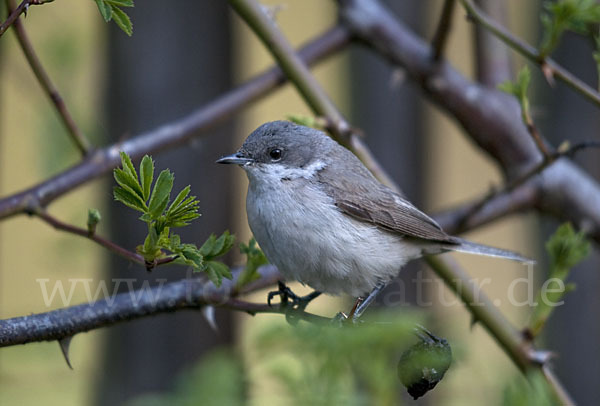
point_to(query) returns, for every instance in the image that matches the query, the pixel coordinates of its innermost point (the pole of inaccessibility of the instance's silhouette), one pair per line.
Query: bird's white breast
(305, 235)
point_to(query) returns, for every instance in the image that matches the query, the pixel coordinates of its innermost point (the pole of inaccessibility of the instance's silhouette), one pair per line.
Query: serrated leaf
(219, 244)
(220, 269)
(255, 259)
(146, 175)
(161, 193)
(208, 245)
(151, 240)
(129, 182)
(121, 3)
(175, 241)
(566, 247)
(213, 276)
(129, 199)
(128, 165)
(122, 20)
(179, 199)
(104, 9)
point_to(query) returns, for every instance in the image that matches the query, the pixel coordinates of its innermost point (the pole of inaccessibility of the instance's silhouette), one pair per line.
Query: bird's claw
(286, 295)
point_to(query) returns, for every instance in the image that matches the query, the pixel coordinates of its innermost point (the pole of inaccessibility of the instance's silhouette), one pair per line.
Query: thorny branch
(20, 9)
(190, 293)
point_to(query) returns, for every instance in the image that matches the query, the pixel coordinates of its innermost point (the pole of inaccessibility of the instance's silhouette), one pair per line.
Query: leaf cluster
(254, 259)
(577, 16)
(328, 365)
(111, 10)
(161, 215)
(566, 248)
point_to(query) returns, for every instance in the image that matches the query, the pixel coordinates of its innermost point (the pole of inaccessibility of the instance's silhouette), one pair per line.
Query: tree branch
(493, 62)
(169, 135)
(21, 8)
(77, 136)
(548, 65)
(492, 119)
(520, 350)
(190, 293)
(443, 30)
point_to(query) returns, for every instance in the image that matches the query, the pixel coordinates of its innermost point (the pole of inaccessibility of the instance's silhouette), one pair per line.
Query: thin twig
(111, 246)
(301, 77)
(443, 30)
(548, 65)
(535, 135)
(536, 170)
(21, 8)
(76, 135)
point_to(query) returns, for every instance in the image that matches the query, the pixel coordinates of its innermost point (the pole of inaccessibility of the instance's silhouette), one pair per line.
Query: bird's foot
(287, 296)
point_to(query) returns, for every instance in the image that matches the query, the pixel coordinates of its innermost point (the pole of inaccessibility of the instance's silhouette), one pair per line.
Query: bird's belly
(311, 241)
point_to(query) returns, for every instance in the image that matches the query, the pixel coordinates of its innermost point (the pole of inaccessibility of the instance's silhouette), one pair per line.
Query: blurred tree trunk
(177, 59)
(574, 331)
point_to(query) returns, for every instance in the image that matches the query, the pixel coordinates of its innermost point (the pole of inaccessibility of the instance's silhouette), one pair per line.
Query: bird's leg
(286, 294)
(361, 304)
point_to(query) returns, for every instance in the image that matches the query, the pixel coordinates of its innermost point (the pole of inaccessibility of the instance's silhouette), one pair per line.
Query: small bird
(324, 220)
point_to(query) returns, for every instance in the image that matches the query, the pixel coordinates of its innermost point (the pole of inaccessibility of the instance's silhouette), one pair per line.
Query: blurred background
(182, 55)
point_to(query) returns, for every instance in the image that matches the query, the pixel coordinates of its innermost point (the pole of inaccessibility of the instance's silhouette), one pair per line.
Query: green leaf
(128, 165)
(151, 240)
(578, 16)
(161, 193)
(129, 199)
(566, 247)
(122, 20)
(183, 209)
(215, 247)
(519, 90)
(255, 259)
(128, 182)
(105, 10)
(120, 3)
(146, 175)
(179, 199)
(208, 245)
(216, 271)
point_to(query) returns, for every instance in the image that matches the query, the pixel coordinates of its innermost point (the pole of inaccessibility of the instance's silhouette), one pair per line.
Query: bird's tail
(479, 249)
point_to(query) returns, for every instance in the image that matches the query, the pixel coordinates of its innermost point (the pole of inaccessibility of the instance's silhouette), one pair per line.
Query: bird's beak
(236, 158)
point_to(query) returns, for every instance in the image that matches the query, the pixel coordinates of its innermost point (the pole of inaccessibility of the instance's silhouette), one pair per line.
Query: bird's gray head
(283, 148)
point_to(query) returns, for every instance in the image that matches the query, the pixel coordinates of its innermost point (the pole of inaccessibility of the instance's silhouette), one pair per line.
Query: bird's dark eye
(275, 154)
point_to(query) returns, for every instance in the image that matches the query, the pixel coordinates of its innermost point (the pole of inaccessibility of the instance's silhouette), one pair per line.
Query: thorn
(64, 344)
(540, 356)
(209, 315)
(548, 74)
(473, 322)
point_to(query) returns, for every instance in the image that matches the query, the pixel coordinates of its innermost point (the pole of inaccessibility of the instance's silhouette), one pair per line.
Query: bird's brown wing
(362, 197)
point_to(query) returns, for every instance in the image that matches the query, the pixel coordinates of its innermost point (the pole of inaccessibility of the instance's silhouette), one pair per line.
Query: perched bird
(324, 220)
